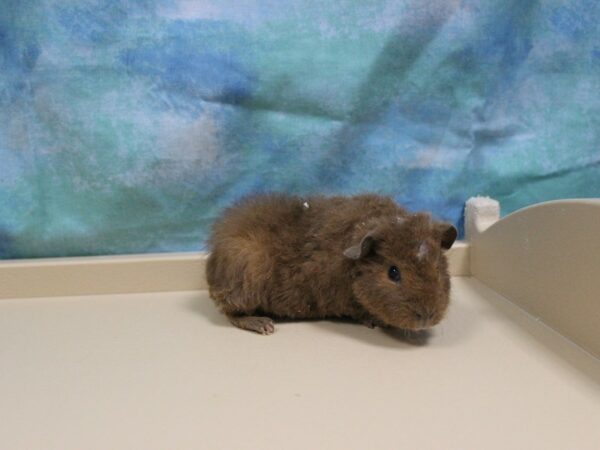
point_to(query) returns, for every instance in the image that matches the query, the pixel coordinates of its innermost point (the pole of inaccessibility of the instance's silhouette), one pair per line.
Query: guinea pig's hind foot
(262, 325)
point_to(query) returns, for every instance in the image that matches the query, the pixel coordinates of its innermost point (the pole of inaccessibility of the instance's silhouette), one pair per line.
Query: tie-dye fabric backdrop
(127, 125)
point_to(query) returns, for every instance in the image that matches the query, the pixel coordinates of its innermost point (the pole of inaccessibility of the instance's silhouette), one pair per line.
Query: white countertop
(166, 371)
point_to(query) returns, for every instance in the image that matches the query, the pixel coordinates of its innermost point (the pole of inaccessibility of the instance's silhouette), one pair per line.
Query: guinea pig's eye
(394, 274)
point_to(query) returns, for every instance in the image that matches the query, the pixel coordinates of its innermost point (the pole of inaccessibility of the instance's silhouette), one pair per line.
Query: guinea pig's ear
(447, 234)
(361, 249)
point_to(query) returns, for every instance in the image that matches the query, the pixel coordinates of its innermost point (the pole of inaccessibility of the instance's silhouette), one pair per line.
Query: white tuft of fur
(423, 250)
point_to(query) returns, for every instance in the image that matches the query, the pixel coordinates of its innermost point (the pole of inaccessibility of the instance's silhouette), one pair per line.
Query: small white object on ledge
(480, 213)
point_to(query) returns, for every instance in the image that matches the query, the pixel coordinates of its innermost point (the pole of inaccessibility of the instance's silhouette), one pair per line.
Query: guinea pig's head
(399, 270)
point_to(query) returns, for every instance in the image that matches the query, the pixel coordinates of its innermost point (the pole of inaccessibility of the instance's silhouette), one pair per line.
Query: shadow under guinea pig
(384, 337)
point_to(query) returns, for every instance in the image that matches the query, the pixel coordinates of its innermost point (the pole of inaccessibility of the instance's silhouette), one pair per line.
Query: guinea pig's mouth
(423, 323)
(420, 326)
(419, 321)
(412, 323)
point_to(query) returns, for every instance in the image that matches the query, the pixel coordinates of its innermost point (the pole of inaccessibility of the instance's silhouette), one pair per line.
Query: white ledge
(126, 274)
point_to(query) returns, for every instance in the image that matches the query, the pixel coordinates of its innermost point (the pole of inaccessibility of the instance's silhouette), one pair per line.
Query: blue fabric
(126, 126)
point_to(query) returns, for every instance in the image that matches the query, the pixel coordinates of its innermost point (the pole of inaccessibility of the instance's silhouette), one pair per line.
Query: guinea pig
(360, 257)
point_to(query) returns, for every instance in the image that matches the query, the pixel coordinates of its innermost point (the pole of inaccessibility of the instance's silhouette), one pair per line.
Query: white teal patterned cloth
(126, 126)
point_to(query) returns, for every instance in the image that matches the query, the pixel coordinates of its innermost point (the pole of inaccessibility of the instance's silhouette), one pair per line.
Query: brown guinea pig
(360, 257)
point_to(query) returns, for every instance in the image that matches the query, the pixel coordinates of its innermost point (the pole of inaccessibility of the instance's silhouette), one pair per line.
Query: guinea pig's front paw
(262, 325)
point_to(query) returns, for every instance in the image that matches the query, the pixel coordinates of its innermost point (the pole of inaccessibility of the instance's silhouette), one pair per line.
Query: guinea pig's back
(337, 216)
(264, 217)
(283, 224)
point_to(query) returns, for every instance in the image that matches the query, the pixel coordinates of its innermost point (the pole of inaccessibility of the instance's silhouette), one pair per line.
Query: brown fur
(319, 257)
